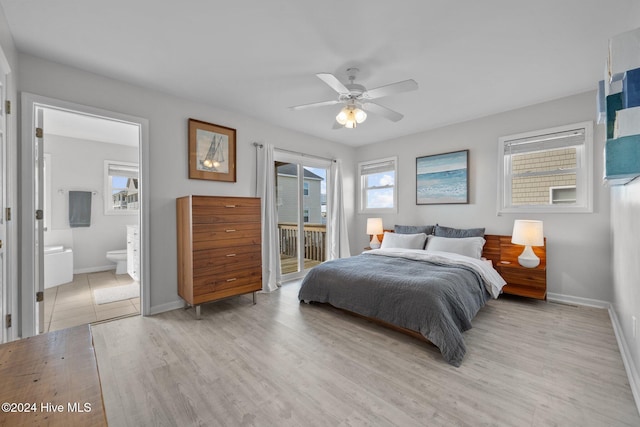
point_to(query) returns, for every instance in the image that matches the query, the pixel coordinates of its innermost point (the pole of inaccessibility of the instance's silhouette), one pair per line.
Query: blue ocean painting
(442, 178)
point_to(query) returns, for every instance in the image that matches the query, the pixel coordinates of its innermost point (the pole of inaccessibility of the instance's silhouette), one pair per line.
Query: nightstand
(522, 281)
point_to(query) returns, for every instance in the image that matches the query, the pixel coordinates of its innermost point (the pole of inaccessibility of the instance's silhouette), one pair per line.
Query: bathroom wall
(79, 165)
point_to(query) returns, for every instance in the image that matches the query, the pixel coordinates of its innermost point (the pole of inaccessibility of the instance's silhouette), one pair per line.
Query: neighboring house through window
(547, 171)
(121, 187)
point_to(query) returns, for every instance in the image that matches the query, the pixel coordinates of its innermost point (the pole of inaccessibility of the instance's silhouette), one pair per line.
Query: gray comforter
(438, 301)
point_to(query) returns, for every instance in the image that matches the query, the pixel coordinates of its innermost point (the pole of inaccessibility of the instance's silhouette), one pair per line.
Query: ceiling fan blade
(391, 89)
(333, 83)
(337, 125)
(379, 110)
(315, 104)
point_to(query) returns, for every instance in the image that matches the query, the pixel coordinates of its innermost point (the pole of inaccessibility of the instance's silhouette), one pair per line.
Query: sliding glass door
(301, 194)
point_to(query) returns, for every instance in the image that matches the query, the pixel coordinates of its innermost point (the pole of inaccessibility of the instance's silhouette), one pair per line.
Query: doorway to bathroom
(87, 247)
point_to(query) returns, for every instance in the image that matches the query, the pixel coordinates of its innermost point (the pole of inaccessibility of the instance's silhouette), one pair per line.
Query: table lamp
(528, 233)
(374, 227)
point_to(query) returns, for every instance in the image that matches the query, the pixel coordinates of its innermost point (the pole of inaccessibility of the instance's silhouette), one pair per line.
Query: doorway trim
(27, 288)
(301, 161)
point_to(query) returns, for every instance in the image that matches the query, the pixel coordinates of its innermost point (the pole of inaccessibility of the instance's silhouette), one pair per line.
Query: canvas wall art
(442, 178)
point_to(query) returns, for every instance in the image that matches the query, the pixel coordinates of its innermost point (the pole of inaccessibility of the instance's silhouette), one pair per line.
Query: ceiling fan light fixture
(361, 116)
(342, 116)
(351, 116)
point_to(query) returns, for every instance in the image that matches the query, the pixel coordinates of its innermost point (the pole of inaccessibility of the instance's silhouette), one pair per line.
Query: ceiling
(89, 128)
(470, 58)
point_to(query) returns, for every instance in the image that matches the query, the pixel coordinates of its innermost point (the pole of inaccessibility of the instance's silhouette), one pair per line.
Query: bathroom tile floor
(72, 304)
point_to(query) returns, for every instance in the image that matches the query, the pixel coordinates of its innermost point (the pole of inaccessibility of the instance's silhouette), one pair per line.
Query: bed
(433, 293)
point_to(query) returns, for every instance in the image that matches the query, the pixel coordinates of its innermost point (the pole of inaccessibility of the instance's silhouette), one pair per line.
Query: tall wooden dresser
(219, 248)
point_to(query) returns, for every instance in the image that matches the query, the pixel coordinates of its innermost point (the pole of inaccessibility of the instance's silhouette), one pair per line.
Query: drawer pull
(231, 280)
(231, 254)
(230, 206)
(230, 230)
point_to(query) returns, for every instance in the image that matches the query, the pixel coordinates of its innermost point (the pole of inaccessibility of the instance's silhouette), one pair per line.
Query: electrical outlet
(634, 325)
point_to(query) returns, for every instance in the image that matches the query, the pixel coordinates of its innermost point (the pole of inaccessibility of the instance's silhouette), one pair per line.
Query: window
(378, 182)
(306, 189)
(547, 171)
(121, 188)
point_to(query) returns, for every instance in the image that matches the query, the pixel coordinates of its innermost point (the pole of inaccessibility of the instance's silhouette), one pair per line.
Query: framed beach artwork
(212, 151)
(442, 178)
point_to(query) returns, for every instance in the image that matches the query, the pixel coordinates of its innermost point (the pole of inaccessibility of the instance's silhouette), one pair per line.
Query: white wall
(625, 236)
(578, 248)
(168, 117)
(79, 165)
(625, 231)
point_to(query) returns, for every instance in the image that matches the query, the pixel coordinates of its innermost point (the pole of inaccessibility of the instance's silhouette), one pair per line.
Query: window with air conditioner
(547, 171)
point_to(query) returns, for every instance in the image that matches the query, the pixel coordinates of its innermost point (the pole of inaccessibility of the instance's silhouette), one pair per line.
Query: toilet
(120, 258)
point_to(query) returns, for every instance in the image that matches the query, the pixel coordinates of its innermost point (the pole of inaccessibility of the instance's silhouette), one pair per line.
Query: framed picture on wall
(442, 178)
(212, 151)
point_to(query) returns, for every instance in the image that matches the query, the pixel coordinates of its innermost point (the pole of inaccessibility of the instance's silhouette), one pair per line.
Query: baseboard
(94, 269)
(571, 300)
(157, 309)
(632, 373)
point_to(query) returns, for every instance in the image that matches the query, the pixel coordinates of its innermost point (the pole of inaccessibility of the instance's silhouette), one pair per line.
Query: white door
(32, 313)
(4, 300)
(39, 215)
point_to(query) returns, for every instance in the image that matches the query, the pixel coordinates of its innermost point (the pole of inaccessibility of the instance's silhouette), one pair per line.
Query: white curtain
(338, 236)
(266, 190)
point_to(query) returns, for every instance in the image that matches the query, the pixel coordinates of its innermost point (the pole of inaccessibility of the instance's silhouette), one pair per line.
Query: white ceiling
(91, 128)
(470, 58)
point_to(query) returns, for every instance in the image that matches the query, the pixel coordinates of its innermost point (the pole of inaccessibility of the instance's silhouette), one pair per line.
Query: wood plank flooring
(290, 264)
(282, 363)
(56, 375)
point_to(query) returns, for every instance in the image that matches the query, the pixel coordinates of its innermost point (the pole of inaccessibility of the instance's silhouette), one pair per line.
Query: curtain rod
(258, 145)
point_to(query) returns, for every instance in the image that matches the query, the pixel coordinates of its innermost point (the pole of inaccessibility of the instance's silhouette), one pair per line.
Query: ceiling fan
(357, 99)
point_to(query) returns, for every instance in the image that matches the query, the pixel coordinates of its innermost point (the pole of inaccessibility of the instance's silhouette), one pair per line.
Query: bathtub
(58, 266)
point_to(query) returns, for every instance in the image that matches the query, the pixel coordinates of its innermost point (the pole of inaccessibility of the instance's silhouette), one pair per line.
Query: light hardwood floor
(282, 363)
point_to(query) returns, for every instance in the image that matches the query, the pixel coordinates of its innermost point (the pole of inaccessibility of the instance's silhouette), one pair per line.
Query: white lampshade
(528, 233)
(374, 227)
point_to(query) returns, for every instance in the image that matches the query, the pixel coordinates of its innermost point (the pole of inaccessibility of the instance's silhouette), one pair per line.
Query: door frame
(8, 301)
(301, 160)
(28, 323)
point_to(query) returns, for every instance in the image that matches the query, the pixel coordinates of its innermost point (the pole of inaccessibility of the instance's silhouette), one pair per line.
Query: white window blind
(116, 169)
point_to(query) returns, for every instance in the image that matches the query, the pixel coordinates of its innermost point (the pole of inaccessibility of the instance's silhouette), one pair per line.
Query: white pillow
(403, 241)
(468, 246)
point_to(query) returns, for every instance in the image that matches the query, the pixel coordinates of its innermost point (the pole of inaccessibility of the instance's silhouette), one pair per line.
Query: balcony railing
(314, 245)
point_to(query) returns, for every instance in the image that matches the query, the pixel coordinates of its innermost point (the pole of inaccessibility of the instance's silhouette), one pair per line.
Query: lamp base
(375, 243)
(528, 259)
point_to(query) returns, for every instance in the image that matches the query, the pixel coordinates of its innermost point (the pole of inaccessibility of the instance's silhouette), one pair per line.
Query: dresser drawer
(229, 280)
(207, 267)
(533, 278)
(213, 236)
(207, 210)
(231, 254)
